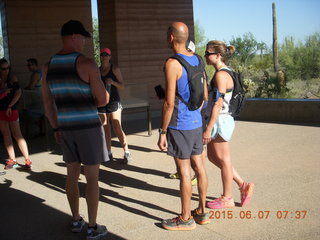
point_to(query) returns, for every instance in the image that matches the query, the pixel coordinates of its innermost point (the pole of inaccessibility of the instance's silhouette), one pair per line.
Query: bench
(33, 110)
(130, 102)
(138, 104)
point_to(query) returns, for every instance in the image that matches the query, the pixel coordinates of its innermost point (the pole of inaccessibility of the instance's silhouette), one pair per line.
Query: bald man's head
(180, 32)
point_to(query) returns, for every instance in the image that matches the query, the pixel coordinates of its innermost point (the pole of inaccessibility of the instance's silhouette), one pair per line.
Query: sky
(224, 19)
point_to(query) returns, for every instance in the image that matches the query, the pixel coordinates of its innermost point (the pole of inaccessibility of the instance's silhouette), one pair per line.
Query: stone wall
(31, 28)
(135, 31)
(282, 110)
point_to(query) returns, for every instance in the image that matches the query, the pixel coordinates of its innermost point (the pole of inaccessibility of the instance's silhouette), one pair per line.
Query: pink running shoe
(11, 164)
(221, 202)
(27, 164)
(246, 191)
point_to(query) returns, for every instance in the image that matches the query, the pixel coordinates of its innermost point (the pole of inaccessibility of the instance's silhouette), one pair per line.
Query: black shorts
(86, 146)
(184, 143)
(110, 107)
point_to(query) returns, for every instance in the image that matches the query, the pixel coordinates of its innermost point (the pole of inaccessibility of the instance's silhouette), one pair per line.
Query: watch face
(161, 131)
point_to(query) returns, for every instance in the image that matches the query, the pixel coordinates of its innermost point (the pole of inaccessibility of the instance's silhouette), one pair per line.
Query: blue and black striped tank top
(75, 103)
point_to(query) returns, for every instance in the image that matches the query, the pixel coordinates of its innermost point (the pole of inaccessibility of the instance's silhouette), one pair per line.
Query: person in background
(72, 90)
(111, 113)
(32, 94)
(191, 47)
(36, 74)
(9, 116)
(221, 125)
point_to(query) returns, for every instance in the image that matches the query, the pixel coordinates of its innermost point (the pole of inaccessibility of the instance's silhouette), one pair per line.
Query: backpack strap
(186, 65)
(230, 72)
(237, 85)
(184, 62)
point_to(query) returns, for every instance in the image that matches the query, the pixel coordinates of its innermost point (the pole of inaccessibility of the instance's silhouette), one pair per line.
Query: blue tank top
(182, 118)
(73, 98)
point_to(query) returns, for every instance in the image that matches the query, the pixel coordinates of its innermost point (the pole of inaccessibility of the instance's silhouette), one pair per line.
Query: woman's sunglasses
(206, 53)
(104, 55)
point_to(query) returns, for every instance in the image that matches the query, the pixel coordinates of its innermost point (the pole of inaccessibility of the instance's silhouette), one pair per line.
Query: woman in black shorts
(112, 78)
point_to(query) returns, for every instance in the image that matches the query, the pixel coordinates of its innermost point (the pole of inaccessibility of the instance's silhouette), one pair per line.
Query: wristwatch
(161, 131)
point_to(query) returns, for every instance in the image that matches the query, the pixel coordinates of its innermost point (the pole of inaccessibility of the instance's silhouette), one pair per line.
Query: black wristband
(161, 131)
(56, 129)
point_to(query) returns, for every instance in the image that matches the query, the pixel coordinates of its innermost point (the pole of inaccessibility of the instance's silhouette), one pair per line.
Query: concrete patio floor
(282, 160)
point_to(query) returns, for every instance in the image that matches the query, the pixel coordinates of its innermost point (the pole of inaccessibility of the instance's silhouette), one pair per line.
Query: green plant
(96, 41)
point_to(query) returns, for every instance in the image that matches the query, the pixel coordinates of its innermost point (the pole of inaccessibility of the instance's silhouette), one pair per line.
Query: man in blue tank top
(181, 132)
(72, 90)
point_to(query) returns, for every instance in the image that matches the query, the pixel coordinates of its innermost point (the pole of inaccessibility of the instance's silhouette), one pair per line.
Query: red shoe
(11, 164)
(246, 191)
(221, 202)
(27, 164)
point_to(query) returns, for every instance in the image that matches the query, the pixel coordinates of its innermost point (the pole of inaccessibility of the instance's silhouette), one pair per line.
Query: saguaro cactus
(275, 38)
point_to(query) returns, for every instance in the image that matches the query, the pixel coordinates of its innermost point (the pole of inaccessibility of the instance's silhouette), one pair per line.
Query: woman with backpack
(221, 125)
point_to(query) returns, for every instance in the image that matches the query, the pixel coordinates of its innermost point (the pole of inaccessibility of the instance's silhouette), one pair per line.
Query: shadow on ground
(39, 143)
(25, 217)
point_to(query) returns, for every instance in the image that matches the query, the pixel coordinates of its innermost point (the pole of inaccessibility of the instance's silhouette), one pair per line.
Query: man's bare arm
(173, 71)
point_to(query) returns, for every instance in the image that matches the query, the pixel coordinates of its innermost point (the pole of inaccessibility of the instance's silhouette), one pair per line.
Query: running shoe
(77, 226)
(201, 219)
(178, 224)
(127, 158)
(246, 191)
(100, 232)
(27, 163)
(194, 181)
(221, 202)
(174, 176)
(11, 164)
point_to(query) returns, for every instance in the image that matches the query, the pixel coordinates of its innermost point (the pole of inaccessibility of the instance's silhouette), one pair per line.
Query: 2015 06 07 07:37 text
(262, 214)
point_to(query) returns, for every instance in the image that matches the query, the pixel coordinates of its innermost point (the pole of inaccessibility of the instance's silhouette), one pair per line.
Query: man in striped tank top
(72, 90)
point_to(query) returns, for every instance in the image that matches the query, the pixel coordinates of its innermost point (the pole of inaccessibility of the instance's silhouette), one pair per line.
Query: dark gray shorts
(110, 107)
(86, 146)
(184, 143)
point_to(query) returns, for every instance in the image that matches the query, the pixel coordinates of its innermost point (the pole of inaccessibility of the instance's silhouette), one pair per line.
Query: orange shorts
(14, 116)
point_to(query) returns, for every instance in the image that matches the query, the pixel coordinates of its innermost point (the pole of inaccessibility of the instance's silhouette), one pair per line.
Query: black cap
(74, 27)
